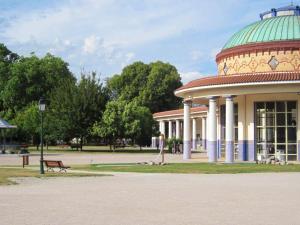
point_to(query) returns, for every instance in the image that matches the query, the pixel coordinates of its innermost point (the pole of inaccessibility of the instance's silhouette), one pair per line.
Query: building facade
(253, 104)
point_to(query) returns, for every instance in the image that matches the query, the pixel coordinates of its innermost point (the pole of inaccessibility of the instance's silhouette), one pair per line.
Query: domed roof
(278, 28)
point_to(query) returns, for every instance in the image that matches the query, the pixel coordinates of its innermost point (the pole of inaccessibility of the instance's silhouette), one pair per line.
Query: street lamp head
(42, 104)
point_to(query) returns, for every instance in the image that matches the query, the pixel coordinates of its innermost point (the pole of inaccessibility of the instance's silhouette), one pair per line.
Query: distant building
(253, 104)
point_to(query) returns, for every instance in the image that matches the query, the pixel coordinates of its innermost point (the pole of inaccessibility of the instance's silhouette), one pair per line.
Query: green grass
(194, 168)
(6, 173)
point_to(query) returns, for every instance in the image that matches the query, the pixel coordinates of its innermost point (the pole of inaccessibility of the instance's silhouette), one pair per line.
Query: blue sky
(105, 36)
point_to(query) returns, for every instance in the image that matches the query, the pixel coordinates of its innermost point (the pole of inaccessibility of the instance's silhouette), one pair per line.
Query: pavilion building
(253, 105)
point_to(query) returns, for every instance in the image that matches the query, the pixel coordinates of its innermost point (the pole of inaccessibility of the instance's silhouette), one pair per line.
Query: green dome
(281, 28)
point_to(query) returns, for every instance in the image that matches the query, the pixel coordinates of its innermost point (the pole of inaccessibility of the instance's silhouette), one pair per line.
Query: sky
(106, 35)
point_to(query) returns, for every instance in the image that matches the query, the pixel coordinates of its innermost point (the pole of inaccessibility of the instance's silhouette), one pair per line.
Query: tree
(28, 79)
(125, 120)
(28, 124)
(75, 107)
(150, 85)
(138, 123)
(111, 125)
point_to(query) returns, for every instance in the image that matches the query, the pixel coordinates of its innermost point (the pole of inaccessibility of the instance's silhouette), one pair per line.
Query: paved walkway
(142, 199)
(88, 158)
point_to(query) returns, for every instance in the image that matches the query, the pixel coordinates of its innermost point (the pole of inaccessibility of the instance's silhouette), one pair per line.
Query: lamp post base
(42, 171)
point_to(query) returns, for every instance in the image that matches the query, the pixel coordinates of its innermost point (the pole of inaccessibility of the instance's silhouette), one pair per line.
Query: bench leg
(49, 169)
(62, 170)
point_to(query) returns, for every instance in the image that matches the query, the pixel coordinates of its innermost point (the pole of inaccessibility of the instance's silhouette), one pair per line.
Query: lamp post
(42, 107)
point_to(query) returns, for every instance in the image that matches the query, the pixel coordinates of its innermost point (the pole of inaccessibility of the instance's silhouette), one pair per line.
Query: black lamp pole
(42, 106)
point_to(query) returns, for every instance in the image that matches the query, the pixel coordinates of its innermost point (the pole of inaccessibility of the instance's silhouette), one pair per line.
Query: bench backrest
(52, 163)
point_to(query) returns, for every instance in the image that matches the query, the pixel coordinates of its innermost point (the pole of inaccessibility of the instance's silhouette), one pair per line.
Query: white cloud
(91, 44)
(192, 75)
(107, 34)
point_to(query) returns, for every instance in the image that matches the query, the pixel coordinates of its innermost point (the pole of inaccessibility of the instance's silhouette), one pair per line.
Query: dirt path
(142, 199)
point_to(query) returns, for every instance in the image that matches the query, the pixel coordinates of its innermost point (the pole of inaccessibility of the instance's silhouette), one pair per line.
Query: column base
(229, 152)
(243, 154)
(251, 150)
(212, 151)
(219, 153)
(186, 150)
(194, 144)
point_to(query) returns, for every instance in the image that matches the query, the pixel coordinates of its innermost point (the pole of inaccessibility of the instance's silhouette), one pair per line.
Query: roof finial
(292, 3)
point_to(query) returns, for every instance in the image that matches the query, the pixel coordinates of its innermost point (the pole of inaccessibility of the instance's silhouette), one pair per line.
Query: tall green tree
(151, 85)
(138, 122)
(75, 107)
(111, 126)
(28, 79)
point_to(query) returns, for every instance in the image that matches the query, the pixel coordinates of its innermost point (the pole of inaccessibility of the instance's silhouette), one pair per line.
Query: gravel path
(142, 199)
(87, 158)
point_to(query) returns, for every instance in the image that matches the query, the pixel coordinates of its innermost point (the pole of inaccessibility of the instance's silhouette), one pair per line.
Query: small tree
(111, 125)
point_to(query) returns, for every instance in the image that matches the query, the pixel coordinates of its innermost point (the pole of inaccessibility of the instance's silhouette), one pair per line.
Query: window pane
(260, 135)
(292, 157)
(236, 120)
(260, 106)
(280, 135)
(259, 119)
(292, 135)
(280, 106)
(291, 119)
(291, 106)
(236, 134)
(271, 149)
(270, 106)
(259, 149)
(281, 149)
(270, 135)
(280, 119)
(292, 149)
(270, 119)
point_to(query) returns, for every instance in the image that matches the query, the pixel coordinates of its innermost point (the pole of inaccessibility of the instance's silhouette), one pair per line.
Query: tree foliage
(125, 120)
(75, 107)
(151, 85)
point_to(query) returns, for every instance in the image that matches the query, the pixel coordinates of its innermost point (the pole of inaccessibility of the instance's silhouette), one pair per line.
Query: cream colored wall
(258, 62)
(200, 95)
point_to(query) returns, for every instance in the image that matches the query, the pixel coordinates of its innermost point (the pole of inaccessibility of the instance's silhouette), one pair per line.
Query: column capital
(187, 102)
(213, 97)
(229, 96)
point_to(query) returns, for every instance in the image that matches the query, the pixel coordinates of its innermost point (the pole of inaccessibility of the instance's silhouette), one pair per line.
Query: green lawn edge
(192, 168)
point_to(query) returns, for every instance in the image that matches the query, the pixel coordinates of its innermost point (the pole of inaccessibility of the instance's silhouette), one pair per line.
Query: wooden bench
(51, 164)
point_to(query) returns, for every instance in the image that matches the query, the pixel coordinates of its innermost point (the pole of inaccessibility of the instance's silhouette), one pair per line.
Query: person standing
(162, 146)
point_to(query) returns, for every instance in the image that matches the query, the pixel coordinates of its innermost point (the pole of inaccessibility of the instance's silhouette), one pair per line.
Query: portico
(188, 128)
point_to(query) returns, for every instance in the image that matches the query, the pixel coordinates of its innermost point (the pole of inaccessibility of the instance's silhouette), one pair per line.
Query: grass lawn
(6, 173)
(205, 168)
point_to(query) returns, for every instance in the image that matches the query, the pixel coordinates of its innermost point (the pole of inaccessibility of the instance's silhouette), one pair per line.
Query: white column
(229, 126)
(170, 129)
(162, 127)
(204, 133)
(186, 130)
(194, 135)
(177, 128)
(212, 130)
